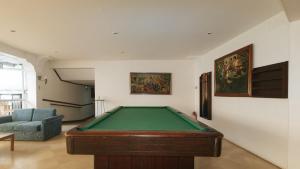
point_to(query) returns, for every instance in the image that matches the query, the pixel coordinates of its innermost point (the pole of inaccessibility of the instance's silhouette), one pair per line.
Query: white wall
(66, 92)
(30, 85)
(256, 124)
(55, 89)
(294, 135)
(267, 127)
(31, 58)
(112, 84)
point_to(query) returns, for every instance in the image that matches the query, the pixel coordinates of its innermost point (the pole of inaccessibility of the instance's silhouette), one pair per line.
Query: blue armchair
(32, 124)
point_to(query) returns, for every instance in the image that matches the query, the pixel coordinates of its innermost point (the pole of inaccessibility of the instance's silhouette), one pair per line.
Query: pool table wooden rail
(144, 143)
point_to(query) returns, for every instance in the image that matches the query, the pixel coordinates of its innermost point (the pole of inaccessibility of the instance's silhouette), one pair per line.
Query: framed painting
(233, 73)
(150, 83)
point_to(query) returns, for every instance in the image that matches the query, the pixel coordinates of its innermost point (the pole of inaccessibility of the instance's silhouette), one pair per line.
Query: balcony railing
(8, 106)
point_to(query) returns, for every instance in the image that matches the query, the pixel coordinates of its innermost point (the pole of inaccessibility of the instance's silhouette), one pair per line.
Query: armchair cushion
(29, 126)
(5, 119)
(22, 115)
(41, 114)
(8, 127)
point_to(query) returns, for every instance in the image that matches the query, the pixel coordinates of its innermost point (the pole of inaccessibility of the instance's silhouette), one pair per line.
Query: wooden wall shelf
(270, 81)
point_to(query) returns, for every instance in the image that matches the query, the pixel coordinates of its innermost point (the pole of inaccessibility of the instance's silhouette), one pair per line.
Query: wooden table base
(143, 162)
(10, 136)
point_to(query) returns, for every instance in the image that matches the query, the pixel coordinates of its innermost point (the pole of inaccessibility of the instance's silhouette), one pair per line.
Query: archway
(18, 84)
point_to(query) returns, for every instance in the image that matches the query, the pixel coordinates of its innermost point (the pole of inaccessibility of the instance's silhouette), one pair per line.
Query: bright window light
(11, 80)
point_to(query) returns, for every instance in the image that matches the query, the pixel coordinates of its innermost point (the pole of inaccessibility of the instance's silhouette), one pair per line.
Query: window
(11, 87)
(11, 76)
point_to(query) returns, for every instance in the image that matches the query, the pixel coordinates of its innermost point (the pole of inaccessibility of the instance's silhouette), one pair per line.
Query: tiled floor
(52, 155)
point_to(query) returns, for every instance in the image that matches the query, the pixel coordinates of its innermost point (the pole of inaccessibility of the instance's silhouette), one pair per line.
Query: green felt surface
(144, 118)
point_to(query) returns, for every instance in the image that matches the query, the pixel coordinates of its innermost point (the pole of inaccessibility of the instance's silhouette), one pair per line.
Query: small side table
(8, 136)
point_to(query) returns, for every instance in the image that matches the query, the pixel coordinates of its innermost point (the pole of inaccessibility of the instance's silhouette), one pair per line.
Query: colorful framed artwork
(150, 83)
(233, 73)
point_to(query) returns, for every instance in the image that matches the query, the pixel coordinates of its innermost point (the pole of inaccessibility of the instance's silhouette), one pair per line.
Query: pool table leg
(143, 162)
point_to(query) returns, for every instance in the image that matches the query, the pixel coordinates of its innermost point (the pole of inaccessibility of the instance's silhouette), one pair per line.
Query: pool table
(144, 138)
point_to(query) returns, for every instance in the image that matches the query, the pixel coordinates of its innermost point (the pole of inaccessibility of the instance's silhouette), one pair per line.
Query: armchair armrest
(5, 119)
(52, 119)
(52, 126)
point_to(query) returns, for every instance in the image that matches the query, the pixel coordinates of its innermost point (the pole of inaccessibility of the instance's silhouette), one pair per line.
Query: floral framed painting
(150, 83)
(233, 73)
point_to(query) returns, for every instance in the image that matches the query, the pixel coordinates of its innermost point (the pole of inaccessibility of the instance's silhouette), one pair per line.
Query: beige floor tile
(52, 154)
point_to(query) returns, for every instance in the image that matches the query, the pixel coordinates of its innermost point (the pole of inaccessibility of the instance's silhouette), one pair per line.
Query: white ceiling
(292, 8)
(77, 75)
(148, 29)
